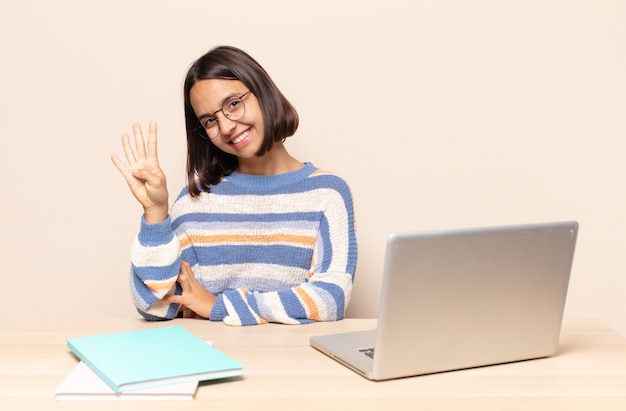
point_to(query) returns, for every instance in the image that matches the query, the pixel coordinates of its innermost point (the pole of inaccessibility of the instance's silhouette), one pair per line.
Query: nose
(226, 125)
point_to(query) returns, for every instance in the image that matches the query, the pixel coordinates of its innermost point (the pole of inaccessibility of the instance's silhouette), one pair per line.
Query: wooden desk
(282, 372)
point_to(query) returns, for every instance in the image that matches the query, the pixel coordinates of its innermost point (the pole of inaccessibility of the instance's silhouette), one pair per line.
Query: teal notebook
(149, 358)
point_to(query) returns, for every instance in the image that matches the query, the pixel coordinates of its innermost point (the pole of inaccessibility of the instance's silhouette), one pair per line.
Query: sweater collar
(270, 182)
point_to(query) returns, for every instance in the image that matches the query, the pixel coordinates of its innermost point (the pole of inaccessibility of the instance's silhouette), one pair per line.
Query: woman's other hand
(194, 296)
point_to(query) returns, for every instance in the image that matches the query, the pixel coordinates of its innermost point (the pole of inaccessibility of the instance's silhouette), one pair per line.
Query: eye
(209, 121)
(233, 104)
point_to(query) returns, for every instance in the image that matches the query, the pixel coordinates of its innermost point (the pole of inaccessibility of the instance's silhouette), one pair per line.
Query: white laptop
(463, 298)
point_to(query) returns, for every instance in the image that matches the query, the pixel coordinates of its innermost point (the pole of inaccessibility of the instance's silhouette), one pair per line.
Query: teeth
(241, 137)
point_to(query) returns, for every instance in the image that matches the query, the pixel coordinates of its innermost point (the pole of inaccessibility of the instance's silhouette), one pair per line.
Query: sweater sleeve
(325, 293)
(155, 265)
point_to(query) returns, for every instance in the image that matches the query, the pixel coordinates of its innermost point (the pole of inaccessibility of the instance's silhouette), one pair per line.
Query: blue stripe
(157, 273)
(327, 255)
(352, 253)
(241, 308)
(292, 304)
(145, 298)
(144, 295)
(338, 297)
(218, 312)
(265, 187)
(155, 234)
(256, 254)
(252, 302)
(150, 317)
(208, 217)
(189, 255)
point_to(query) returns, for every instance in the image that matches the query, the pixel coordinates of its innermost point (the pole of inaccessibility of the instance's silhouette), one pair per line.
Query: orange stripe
(315, 315)
(159, 286)
(321, 172)
(241, 239)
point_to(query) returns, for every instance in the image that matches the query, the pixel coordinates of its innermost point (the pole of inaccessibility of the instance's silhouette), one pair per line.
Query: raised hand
(143, 174)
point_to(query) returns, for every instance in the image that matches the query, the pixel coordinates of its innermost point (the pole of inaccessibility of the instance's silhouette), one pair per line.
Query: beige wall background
(439, 113)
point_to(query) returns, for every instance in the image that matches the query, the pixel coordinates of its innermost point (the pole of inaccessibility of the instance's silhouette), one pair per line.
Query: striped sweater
(279, 248)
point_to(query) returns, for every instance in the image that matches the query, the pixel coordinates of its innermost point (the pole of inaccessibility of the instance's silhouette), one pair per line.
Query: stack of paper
(157, 363)
(84, 384)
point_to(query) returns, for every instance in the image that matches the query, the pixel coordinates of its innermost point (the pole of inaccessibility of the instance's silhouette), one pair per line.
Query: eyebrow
(224, 100)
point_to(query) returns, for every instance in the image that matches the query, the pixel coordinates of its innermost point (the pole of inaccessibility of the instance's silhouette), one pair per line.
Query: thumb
(173, 299)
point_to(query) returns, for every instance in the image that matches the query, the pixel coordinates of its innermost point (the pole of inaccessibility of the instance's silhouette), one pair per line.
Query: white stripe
(158, 309)
(157, 256)
(297, 226)
(297, 202)
(271, 308)
(232, 318)
(236, 229)
(323, 299)
(253, 275)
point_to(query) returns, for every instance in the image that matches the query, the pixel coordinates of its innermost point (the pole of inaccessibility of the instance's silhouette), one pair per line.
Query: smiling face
(242, 137)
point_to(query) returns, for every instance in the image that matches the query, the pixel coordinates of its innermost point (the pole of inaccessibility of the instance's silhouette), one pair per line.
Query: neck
(275, 161)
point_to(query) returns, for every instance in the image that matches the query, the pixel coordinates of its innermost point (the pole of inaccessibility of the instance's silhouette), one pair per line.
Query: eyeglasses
(233, 109)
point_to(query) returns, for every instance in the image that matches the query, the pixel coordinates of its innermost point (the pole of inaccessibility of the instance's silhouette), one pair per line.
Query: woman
(257, 236)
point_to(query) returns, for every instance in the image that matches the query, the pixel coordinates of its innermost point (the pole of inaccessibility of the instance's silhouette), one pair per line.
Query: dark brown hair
(207, 164)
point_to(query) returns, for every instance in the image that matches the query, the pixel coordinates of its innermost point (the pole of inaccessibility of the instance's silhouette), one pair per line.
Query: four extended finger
(128, 151)
(139, 141)
(126, 173)
(152, 141)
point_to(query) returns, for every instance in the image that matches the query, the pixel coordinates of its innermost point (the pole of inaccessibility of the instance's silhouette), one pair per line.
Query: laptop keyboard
(367, 351)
